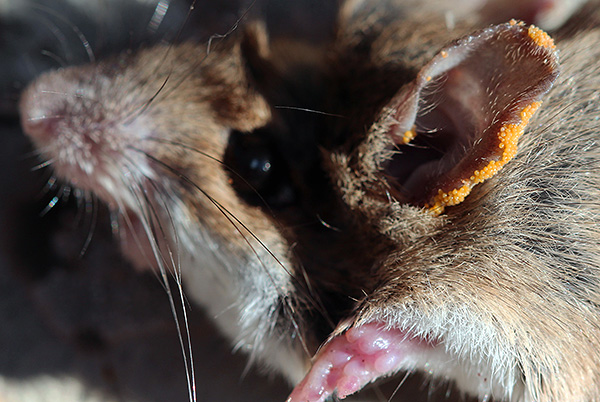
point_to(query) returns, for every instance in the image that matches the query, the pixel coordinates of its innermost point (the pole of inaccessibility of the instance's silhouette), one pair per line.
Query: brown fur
(519, 255)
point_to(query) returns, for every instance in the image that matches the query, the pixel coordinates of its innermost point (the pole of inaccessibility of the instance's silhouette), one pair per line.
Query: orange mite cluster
(409, 135)
(508, 137)
(540, 37)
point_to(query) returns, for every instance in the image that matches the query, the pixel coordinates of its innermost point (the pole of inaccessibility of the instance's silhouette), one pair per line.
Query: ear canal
(459, 121)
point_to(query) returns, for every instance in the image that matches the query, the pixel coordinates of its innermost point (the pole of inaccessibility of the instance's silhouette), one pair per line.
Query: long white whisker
(302, 109)
(176, 265)
(402, 381)
(150, 218)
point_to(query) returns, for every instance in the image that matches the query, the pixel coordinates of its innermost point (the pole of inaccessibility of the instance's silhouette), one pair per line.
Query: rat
(439, 215)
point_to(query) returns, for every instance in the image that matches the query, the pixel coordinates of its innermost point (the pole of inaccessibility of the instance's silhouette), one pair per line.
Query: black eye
(257, 170)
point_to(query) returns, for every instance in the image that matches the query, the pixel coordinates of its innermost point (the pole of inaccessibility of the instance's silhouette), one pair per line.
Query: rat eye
(257, 171)
(250, 157)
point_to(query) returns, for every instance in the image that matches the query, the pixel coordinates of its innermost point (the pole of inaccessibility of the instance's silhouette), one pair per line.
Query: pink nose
(42, 109)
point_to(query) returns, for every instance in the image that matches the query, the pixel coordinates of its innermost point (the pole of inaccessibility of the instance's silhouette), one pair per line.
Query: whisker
(327, 225)
(140, 110)
(52, 203)
(77, 95)
(402, 381)
(85, 43)
(50, 183)
(231, 30)
(173, 264)
(175, 40)
(83, 198)
(43, 118)
(297, 327)
(59, 60)
(176, 265)
(151, 220)
(91, 207)
(136, 113)
(379, 393)
(38, 153)
(185, 146)
(49, 206)
(58, 34)
(188, 362)
(230, 216)
(42, 165)
(121, 213)
(309, 294)
(301, 109)
(220, 162)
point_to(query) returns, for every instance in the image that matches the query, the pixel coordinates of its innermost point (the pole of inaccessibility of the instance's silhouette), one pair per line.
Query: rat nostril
(39, 117)
(39, 128)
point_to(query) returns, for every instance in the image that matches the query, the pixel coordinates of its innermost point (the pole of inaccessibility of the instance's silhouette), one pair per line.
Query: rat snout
(79, 131)
(47, 119)
(41, 112)
(57, 109)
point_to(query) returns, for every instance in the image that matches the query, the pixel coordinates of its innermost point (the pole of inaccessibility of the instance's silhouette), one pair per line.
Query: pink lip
(352, 360)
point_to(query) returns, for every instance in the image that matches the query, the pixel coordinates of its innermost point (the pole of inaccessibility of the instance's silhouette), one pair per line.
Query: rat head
(202, 172)
(126, 129)
(492, 277)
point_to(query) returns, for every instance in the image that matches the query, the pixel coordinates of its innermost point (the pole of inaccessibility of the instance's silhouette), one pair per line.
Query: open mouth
(368, 353)
(356, 358)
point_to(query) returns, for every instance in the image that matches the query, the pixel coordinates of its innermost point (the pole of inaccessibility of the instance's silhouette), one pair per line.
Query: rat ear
(256, 50)
(458, 122)
(274, 65)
